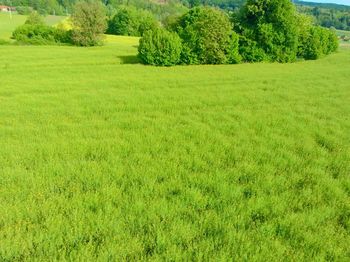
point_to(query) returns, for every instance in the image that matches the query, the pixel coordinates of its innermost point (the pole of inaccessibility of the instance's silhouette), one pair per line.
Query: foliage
(4, 42)
(131, 22)
(160, 47)
(24, 10)
(224, 4)
(271, 26)
(41, 35)
(320, 42)
(250, 51)
(207, 37)
(269, 30)
(325, 15)
(105, 161)
(89, 23)
(35, 19)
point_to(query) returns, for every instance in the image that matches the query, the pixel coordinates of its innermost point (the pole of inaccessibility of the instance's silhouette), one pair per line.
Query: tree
(124, 22)
(131, 21)
(271, 25)
(34, 19)
(160, 47)
(207, 37)
(89, 23)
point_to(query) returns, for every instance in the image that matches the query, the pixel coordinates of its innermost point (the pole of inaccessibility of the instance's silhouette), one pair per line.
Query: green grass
(8, 24)
(342, 32)
(104, 159)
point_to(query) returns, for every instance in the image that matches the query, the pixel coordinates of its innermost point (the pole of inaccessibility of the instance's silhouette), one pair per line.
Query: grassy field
(8, 23)
(342, 32)
(102, 158)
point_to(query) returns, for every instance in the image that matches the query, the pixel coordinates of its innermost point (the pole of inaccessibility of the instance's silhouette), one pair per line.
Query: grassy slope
(8, 25)
(111, 160)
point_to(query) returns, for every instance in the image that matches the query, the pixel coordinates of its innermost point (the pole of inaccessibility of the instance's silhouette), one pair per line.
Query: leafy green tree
(124, 22)
(89, 23)
(35, 18)
(320, 42)
(147, 22)
(271, 26)
(24, 10)
(312, 47)
(333, 41)
(131, 21)
(160, 47)
(207, 37)
(305, 24)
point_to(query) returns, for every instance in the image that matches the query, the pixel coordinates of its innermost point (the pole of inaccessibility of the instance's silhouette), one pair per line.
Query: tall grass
(104, 159)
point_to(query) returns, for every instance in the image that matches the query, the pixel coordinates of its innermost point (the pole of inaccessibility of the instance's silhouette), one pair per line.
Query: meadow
(102, 158)
(9, 23)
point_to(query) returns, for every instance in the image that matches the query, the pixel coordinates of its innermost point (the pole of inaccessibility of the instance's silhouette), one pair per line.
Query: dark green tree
(131, 21)
(207, 37)
(270, 26)
(160, 47)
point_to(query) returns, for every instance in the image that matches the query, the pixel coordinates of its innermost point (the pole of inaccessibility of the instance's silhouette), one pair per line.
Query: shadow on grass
(129, 59)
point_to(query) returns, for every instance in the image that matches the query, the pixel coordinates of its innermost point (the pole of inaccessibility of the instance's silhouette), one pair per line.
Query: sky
(343, 2)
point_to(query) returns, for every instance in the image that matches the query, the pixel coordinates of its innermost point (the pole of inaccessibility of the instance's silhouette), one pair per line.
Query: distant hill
(323, 5)
(327, 15)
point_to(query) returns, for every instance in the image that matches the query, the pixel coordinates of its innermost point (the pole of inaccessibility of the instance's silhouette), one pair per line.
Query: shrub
(89, 23)
(34, 19)
(24, 10)
(4, 42)
(40, 35)
(250, 51)
(124, 22)
(147, 22)
(312, 48)
(160, 47)
(207, 37)
(233, 55)
(333, 41)
(319, 42)
(131, 22)
(271, 26)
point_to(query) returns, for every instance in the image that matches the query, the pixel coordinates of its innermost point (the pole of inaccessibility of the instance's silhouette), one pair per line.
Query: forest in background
(327, 15)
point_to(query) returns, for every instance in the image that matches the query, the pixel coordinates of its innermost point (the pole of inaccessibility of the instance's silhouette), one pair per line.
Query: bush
(24, 10)
(160, 47)
(250, 51)
(207, 37)
(131, 22)
(4, 42)
(271, 26)
(34, 19)
(89, 23)
(40, 35)
(312, 48)
(333, 41)
(320, 42)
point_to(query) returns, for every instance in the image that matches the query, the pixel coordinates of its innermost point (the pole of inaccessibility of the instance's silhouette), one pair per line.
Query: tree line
(326, 15)
(262, 30)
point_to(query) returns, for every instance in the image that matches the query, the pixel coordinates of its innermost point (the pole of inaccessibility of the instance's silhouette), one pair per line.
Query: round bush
(132, 22)
(207, 37)
(272, 28)
(160, 47)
